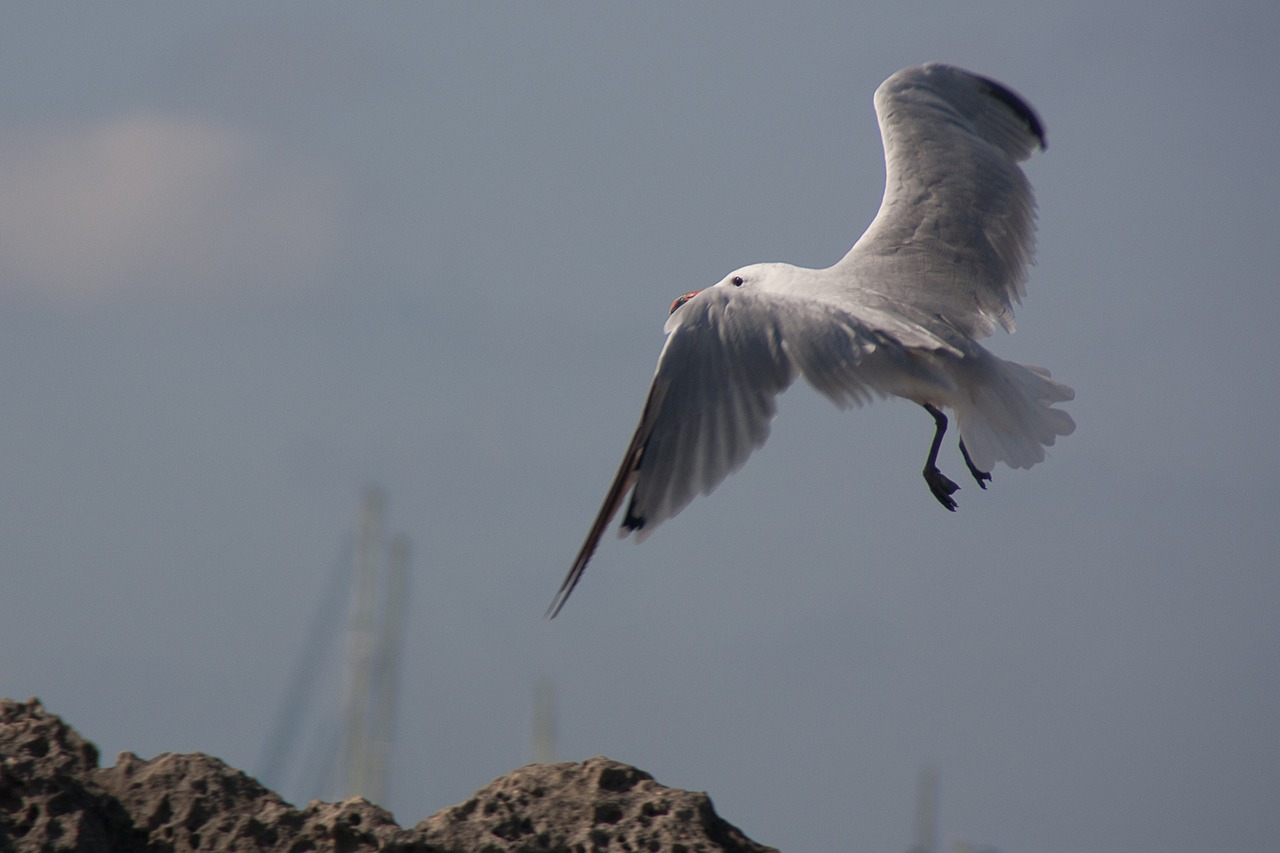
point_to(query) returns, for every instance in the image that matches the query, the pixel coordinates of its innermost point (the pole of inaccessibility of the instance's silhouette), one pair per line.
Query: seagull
(900, 315)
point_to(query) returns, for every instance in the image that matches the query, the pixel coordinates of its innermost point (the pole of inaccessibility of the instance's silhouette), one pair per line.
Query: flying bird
(900, 315)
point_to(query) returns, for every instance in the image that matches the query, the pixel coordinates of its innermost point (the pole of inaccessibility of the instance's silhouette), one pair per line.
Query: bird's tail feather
(1006, 413)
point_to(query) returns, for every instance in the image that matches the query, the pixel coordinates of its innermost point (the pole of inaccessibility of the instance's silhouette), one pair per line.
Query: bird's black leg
(942, 487)
(983, 477)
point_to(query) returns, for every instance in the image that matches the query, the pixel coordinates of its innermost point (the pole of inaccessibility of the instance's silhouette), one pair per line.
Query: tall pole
(927, 810)
(544, 721)
(360, 644)
(386, 670)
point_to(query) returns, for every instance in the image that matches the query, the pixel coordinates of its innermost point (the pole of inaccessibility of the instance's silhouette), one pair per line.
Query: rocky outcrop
(596, 805)
(54, 797)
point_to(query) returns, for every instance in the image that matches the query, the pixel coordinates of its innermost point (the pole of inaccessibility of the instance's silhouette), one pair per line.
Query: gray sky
(254, 257)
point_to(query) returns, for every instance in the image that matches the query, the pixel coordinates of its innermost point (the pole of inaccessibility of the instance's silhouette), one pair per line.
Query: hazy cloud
(170, 204)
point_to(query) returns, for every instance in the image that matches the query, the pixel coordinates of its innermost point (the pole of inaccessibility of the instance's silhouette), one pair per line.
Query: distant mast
(544, 721)
(374, 640)
(386, 670)
(926, 810)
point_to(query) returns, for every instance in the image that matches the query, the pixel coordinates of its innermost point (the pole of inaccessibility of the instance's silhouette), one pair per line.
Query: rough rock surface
(54, 797)
(596, 805)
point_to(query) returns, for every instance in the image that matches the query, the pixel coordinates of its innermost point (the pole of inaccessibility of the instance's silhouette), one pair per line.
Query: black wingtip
(562, 594)
(553, 609)
(1020, 107)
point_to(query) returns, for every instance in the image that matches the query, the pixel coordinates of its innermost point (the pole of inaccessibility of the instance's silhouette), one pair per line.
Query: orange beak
(683, 299)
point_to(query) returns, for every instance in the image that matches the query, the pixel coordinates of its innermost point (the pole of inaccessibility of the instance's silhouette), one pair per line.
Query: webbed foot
(942, 486)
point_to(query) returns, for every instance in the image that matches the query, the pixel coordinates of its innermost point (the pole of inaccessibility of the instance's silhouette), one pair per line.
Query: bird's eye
(737, 281)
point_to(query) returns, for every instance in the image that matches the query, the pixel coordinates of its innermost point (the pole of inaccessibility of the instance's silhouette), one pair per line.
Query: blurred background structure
(335, 743)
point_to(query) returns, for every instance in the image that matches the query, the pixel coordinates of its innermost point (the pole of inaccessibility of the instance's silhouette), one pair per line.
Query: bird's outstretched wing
(955, 230)
(944, 260)
(728, 355)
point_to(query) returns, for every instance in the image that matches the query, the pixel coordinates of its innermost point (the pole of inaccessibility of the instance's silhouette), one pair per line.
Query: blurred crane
(348, 754)
(926, 811)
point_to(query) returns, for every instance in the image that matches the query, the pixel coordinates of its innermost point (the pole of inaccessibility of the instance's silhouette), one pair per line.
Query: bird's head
(745, 277)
